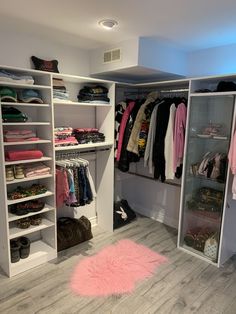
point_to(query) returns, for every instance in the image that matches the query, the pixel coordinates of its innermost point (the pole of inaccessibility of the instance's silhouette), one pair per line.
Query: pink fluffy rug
(115, 269)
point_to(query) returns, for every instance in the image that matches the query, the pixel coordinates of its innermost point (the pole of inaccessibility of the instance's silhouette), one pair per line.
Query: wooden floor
(184, 285)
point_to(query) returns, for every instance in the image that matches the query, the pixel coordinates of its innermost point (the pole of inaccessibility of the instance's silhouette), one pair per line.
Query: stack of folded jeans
(63, 137)
(19, 136)
(96, 94)
(59, 90)
(6, 76)
(88, 135)
(11, 114)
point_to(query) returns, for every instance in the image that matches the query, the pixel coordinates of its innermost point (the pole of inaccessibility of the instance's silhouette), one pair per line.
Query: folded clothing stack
(19, 136)
(23, 155)
(20, 192)
(96, 94)
(11, 114)
(88, 135)
(6, 76)
(63, 136)
(59, 90)
(37, 169)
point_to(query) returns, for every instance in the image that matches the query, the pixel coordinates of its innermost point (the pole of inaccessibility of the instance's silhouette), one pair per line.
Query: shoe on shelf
(24, 247)
(9, 174)
(15, 251)
(35, 220)
(19, 172)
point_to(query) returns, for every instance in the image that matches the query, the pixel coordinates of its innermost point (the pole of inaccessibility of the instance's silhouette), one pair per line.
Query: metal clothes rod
(78, 153)
(153, 179)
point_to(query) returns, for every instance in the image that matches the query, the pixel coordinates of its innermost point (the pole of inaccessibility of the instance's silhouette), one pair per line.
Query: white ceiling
(190, 24)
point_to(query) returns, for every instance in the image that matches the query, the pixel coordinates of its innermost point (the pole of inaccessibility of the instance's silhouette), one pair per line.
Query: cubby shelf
(82, 146)
(47, 208)
(15, 232)
(22, 86)
(27, 161)
(29, 198)
(26, 143)
(25, 179)
(21, 104)
(25, 123)
(81, 104)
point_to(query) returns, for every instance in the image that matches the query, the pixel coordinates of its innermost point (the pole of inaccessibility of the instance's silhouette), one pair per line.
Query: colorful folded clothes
(96, 93)
(69, 141)
(11, 114)
(37, 169)
(88, 135)
(23, 155)
(7, 76)
(19, 136)
(21, 192)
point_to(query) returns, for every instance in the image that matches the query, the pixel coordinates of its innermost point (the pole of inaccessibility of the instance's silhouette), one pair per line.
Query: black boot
(15, 251)
(24, 247)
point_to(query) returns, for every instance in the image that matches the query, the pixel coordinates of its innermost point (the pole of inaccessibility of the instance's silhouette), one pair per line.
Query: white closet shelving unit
(100, 155)
(43, 237)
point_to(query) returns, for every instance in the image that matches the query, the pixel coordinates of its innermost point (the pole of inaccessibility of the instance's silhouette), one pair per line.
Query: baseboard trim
(159, 215)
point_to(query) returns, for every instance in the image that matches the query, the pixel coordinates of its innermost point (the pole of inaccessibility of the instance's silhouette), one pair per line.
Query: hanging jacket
(119, 110)
(123, 123)
(163, 113)
(169, 145)
(133, 140)
(150, 140)
(179, 134)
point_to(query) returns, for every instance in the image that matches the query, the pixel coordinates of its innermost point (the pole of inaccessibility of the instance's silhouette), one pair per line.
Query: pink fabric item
(232, 154)
(123, 123)
(115, 269)
(17, 132)
(34, 174)
(35, 170)
(62, 187)
(12, 140)
(179, 134)
(23, 155)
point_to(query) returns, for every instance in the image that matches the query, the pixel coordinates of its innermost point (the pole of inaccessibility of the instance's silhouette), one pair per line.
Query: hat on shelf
(224, 86)
(8, 94)
(30, 96)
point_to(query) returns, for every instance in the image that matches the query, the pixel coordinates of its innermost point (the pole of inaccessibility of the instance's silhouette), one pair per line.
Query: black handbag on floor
(71, 231)
(123, 214)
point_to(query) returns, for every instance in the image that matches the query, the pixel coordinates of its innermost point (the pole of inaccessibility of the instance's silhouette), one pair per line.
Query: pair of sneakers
(14, 173)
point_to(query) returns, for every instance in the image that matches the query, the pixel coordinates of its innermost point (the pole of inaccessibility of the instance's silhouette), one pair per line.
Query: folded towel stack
(19, 136)
(59, 90)
(23, 155)
(38, 169)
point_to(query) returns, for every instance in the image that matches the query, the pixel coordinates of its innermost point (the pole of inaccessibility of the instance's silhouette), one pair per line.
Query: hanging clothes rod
(153, 179)
(145, 92)
(72, 154)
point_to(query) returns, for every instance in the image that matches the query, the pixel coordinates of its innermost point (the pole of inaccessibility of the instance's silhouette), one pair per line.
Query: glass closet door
(206, 164)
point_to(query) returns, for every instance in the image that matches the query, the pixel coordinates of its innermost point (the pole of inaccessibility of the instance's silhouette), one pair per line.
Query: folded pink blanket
(23, 154)
(17, 132)
(20, 136)
(38, 169)
(34, 174)
(21, 140)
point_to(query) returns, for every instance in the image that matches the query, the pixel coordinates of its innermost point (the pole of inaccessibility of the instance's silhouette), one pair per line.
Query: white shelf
(26, 161)
(26, 142)
(18, 232)
(27, 86)
(82, 146)
(40, 252)
(80, 104)
(25, 179)
(78, 79)
(21, 104)
(25, 123)
(210, 94)
(47, 208)
(29, 198)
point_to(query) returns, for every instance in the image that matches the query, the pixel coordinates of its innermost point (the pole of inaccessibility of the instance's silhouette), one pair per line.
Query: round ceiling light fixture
(108, 23)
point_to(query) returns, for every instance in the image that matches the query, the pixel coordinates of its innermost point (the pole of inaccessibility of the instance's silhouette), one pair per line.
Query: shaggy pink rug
(115, 269)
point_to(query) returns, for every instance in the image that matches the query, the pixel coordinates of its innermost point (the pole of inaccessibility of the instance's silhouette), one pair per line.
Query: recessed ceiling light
(108, 23)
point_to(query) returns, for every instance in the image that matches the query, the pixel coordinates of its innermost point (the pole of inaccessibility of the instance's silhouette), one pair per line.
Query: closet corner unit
(26, 130)
(85, 111)
(207, 211)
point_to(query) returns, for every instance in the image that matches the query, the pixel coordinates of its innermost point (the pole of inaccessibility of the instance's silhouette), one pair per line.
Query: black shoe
(15, 251)
(24, 247)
